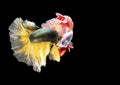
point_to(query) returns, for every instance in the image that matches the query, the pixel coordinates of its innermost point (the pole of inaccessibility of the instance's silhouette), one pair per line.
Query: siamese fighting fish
(32, 44)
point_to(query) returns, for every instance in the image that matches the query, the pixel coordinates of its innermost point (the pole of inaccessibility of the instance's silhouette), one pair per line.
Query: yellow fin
(33, 54)
(55, 53)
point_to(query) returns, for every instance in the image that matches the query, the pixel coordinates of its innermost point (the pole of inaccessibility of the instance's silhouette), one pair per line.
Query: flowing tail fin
(31, 53)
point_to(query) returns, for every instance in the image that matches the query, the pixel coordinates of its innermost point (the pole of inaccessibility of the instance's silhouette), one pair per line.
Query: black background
(77, 66)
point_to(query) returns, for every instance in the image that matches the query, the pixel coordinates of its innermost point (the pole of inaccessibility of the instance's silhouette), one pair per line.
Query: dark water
(77, 66)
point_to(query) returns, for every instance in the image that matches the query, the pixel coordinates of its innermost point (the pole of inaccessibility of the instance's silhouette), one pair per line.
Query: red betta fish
(63, 24)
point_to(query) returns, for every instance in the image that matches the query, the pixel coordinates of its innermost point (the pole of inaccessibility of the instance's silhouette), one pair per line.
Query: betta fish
(32, 44)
